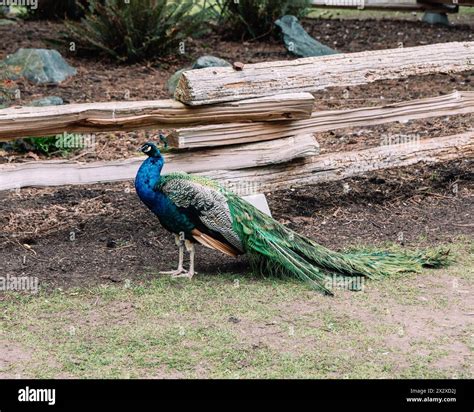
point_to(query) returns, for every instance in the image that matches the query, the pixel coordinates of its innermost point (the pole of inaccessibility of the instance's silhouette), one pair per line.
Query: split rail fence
(253, 128)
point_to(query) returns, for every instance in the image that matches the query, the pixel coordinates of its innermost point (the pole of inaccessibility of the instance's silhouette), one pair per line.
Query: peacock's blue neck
(160, 204)
(147, 178)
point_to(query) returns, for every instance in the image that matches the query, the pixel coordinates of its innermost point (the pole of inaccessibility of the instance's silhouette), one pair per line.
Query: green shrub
(253, 18)
(43, 145)
(136, 30)
(40, 145)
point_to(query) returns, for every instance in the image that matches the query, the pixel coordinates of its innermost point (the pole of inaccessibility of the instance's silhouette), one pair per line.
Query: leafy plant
(40, 145)
(135, 30)
(253, 18)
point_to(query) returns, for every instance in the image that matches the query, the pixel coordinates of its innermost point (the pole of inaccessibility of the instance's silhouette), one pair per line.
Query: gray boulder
(210, 61)
(174, 79)
(41, 66)
(435, 18)
(7, 22)
(201, 63)
(298, 41)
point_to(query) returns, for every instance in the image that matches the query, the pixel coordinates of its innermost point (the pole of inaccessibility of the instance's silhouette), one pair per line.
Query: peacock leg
(179, 242)
(190, 248)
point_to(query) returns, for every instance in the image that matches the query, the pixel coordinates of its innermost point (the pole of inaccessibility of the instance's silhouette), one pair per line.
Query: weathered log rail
(321, 121)
(341, 165)
(59, 172)
(441, 6)
(223, 84)
(16, 122)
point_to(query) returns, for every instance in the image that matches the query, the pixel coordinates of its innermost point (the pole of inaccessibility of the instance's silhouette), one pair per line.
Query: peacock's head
(150, 150)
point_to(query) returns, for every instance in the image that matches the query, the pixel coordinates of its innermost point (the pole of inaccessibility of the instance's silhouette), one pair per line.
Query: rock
(201, 63)
(298, 42)
(47, 101)
(111, 243)
(41, 66)
(173, 80)
(436, 18)
(210, 61)
(7, 22)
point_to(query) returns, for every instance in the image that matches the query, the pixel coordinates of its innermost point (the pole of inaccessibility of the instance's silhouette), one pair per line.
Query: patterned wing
(203, 203)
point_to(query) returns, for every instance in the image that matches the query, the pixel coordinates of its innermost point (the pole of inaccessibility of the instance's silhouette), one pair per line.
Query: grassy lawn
(234, 326)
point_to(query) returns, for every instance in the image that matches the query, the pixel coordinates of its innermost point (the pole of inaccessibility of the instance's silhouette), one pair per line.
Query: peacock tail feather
(275, 249)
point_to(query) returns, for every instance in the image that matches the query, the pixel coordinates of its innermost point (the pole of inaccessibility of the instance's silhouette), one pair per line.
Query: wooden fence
(253, 128)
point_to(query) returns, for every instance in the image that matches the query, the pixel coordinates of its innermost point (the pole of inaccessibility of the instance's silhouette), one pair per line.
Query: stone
(47, 101)
(7, 22)
(201, 63)
(435, 18)
(174, 79)
(298, 41)
(40, 66)
(210, 61)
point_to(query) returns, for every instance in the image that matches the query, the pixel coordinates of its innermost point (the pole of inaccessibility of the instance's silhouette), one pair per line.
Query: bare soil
(74, 236)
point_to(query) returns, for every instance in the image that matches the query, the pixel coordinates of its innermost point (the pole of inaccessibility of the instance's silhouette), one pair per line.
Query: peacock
(198, 210)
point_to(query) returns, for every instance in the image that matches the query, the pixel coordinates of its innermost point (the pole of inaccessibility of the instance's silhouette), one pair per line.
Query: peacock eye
(147, 149)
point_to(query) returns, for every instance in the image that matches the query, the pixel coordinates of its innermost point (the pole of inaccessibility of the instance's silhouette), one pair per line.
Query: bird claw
(188, 275)
(173, 273)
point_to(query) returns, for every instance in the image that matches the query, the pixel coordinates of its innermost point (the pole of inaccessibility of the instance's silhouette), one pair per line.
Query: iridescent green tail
(277, 250)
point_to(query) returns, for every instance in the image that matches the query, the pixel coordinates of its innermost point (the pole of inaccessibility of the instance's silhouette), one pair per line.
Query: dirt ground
(101, 233)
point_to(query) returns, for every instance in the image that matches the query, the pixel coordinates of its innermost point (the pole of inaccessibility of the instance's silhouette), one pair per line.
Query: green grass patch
(231, 326)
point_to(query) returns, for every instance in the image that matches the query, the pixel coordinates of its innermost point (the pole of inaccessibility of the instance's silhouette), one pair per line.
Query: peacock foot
(173, 273)
(188, 275)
